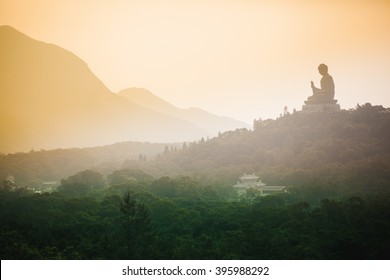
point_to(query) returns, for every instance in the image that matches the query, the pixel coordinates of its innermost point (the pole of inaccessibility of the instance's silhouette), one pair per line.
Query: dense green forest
(34, 168)
(137, 217)
(181, 203)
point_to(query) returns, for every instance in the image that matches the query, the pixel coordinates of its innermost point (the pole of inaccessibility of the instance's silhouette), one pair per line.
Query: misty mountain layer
(49, 98)
(207, 121)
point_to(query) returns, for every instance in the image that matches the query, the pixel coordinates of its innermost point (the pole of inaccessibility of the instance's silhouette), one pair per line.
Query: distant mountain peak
(147, 99)
(49, 99)
(212, 123)
(8, 28)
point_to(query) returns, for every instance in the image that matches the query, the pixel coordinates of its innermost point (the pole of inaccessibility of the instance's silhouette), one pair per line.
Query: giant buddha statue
(322, 98)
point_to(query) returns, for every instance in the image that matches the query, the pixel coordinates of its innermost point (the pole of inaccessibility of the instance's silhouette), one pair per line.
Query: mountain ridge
(51, 99)
(212, 123)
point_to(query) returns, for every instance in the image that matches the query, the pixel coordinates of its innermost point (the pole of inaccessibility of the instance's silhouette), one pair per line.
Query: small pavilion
(251, 181)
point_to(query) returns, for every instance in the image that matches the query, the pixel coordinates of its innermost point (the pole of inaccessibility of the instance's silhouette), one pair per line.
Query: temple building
(251, 181)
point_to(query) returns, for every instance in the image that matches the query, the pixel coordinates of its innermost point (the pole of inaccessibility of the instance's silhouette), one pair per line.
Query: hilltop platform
(320, 103)
(320, 107)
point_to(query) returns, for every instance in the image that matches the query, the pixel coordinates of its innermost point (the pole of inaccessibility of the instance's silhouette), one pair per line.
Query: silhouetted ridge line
(51, 99)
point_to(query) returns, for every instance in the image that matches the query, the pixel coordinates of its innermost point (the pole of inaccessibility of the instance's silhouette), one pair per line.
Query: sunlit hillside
(349, 148)
(50, 99)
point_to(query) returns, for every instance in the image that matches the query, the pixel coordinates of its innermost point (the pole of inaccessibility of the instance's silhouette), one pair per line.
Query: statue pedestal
(320, 107)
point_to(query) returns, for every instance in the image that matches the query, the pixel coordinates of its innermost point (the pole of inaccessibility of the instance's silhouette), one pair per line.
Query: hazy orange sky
(245, 59)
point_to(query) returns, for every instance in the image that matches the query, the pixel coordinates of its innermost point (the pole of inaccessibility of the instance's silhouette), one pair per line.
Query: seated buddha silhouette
(325, 94)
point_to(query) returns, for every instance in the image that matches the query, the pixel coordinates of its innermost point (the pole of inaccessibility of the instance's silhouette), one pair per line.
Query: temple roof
(249, 177)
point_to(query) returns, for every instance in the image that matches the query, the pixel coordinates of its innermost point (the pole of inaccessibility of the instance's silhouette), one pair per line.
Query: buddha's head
(323, 69)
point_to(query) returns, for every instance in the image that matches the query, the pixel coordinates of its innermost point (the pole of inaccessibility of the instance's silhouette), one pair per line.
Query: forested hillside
(181, 205)
(349, 148)
(33, 168)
